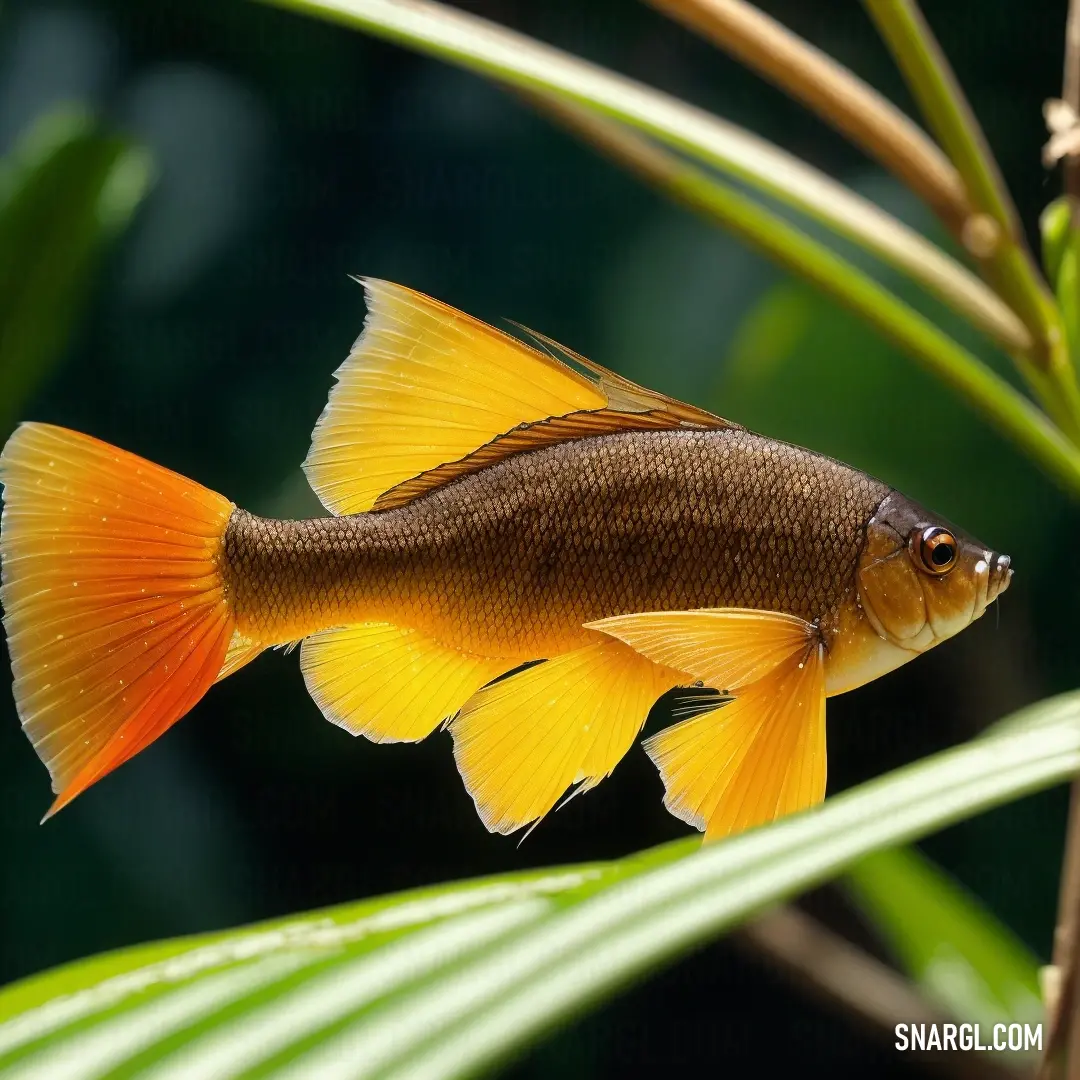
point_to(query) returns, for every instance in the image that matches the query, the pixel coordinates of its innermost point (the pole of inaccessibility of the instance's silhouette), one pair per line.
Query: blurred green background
(187, 187)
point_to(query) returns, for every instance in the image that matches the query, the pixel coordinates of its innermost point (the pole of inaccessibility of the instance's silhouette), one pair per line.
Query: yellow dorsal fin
(555, 429)
(389, 683)
(521, 742)
(628, 397)
(753, 760)
(723, 647)
(426, 385)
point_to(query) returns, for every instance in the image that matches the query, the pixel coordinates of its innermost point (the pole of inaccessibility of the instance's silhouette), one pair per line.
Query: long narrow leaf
(836, 94)
(521, 62)
(955, 950)
(1007, 262)
(1006, 408)
(443, 982)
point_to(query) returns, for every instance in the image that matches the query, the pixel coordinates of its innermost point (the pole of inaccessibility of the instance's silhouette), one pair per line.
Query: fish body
(492, 506)
(514, 560)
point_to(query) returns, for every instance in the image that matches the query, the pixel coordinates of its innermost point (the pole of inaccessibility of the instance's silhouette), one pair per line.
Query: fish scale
(513, 560)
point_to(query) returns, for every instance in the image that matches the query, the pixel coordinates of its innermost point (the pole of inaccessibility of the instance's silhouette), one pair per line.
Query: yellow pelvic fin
(426, 385)
(723, 647)
(753, 760)
(521, 742)
(388, 683)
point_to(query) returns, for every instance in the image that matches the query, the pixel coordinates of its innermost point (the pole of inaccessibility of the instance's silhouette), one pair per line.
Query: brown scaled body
(513, 560)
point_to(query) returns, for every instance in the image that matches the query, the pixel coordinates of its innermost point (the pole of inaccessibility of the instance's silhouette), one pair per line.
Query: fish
(521, 546)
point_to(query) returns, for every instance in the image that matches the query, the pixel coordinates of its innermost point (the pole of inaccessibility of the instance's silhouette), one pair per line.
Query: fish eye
(934, 549)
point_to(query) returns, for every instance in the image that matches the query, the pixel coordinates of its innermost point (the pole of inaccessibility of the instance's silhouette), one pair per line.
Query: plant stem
(998, 241)
(1062, 1055)
(837, 95)
(1062, 1022)
(942, 102)
(865, 988)
(1007, 409)
(533, 67)
(1070, 93)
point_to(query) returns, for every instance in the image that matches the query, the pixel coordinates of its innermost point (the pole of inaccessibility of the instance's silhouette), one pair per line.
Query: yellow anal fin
(753, 760)
(241, 651)
(522, 742)
(389, 683)
(723, 647)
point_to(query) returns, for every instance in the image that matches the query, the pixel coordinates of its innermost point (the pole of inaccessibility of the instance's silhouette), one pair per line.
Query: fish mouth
(1000, 577)
(992, 574)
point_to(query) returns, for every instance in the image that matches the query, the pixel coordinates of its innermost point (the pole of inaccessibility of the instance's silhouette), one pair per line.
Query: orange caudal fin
(114, 604)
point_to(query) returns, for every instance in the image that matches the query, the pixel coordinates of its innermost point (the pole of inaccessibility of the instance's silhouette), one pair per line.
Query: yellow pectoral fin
(753, 760)
(388, 683)
(723, 647)
(522, 742)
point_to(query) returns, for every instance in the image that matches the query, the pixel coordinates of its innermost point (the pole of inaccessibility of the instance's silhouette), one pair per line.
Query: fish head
(920, 580)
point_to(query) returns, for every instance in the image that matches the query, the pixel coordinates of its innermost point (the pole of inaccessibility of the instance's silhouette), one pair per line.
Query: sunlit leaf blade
(835, 93)
(1003, 250)
(1054, 227)
(792, 248)
(1061, 258)
(445, 981)
(962, 957)
(521, 62)
(66, 191)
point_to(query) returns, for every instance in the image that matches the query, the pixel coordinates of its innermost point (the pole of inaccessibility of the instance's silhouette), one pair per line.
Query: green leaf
(962, 957)
(544, 72)
(66, 191)
(1054, 224)
(442, 982)
(848, 393)
(1005, 407)
(526, 64)
(1061, 256)
(1009, 411)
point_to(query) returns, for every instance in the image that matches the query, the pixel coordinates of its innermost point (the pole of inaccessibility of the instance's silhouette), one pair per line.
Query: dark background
(292, 154)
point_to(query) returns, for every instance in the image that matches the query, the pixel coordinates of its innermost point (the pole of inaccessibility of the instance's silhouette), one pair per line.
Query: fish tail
(115, 608)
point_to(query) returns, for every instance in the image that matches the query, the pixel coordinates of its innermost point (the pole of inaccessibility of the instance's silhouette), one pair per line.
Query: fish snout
(1000, 576)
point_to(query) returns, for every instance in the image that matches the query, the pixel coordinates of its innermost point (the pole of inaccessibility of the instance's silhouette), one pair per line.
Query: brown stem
(839, 97)
(1070, 92)
(846, 976)
(671, 175)
(1005, 259)
(1063, 1004)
